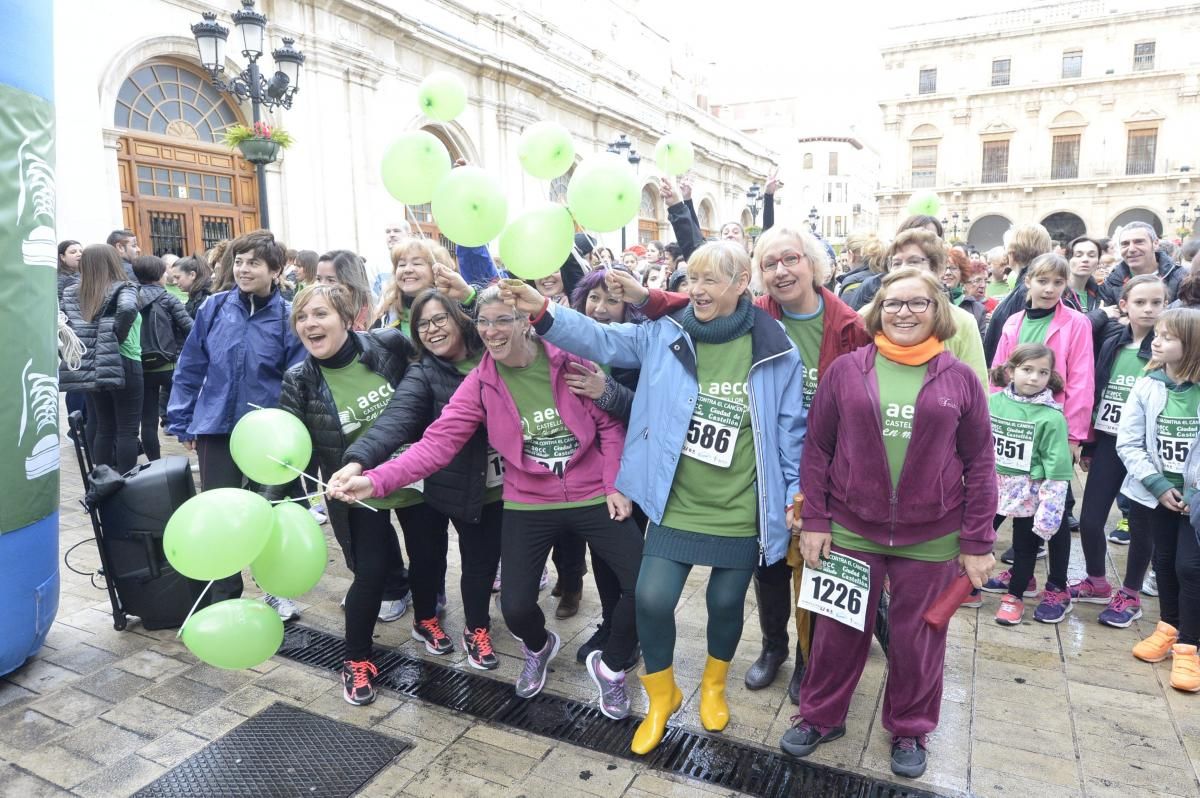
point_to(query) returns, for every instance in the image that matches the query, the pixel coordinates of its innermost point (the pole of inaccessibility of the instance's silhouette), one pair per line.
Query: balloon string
(416, 224)
(192, 611)
(307, 496)
(302, 474)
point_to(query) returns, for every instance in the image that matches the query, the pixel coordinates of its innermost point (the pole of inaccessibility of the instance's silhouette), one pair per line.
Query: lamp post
(813, 218)
(951, 228)
(1185, 219)
(754, 200)
(250, 33)
(623, 147)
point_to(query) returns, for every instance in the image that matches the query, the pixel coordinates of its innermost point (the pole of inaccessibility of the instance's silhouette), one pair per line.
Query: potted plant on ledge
(259, 144)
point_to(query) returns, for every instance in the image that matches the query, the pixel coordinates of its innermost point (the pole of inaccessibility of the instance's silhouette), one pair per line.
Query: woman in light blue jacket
(712, 456)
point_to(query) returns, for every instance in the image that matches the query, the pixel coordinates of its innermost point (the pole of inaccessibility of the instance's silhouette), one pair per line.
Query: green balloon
(234, 634)
(413, 165)
(546, 150)
(603, 194)
(263, 437)
(295, 555)
(469, 206)
(442, 96)
(924, 203)
(536, 243)
(217, 533)
(674, 154)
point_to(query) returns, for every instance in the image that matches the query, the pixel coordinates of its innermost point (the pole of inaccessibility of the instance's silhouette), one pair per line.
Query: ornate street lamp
(813, 218)
(623, 147)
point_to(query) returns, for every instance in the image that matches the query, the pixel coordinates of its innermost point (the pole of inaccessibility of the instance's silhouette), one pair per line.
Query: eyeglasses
(917, 306)
(897, 263)
(500, 323)
(790, 260)
(439, 321)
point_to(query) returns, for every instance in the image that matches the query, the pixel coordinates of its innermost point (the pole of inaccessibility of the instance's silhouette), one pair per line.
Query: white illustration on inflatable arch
(40, 247)
(39, 397)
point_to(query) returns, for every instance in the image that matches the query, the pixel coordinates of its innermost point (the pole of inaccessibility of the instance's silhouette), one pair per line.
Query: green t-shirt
(998, 290)
(806, 333)
(1177, 430)
(714, 491)
(177, 292)
(1030, 439)
(360, 395)
(1082, 297)
(495, 463)
(898, 389)
(1034, 331)
(1126, 369)
(547, 439)
(131, 347)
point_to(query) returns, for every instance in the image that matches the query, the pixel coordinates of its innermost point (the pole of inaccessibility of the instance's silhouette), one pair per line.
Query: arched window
(648, 227)
(170, 100)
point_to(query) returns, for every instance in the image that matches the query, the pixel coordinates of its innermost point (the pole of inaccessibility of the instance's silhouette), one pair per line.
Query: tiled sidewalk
(1036, 710)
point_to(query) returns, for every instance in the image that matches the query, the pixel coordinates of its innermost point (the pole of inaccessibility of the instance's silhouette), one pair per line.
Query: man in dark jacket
(125, 243)
(1138, 244)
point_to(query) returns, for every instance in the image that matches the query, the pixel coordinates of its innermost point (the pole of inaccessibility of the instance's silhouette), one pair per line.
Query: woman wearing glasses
(561, 454)
(905, 392)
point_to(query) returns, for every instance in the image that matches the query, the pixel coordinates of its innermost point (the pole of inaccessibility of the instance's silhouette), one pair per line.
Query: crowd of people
(746, 405)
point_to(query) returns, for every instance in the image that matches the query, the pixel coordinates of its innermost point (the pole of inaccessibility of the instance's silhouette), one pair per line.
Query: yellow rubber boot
(714, 712)
(665, 700)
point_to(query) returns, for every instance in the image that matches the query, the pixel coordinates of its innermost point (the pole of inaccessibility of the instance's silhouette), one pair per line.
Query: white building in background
(1079, 115)
(139, 125)
(829, 180)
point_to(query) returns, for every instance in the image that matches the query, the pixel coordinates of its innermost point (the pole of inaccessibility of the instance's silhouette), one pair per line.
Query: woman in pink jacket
(1046, 320)
(561, 456)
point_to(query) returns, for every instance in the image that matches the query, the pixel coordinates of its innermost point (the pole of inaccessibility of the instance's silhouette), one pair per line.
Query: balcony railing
(1094, 172)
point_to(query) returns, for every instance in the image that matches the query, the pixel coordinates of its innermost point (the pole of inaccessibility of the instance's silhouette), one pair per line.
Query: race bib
(1175, 439)
(495, 469)
(1108, 412)
(553, 453)
(419, 485)
(713, 430)
(838, 589)
(1014, 443)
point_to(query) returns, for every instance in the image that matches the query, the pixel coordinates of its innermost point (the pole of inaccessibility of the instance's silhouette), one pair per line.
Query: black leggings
(568, 558)
(607, 584)
(1177, 566)
(1026, 543)
(1142, 542)
(154, 385)
(217, 470)
(1104, 479)
(426, 540)
(376, 552)
(116, 415)
(479, 550)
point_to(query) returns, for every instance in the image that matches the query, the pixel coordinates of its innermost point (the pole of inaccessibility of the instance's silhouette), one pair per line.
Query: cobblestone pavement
(1035, 710)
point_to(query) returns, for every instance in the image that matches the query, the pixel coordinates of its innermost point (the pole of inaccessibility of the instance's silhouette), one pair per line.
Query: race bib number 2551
(838, 589)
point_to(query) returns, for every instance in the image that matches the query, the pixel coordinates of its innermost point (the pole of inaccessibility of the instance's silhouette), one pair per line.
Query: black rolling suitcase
(129, 515)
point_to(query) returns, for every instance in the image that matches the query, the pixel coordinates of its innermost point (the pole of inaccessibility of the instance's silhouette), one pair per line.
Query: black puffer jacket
(120, 303)
(197, 296)
(458, 489)
(305, 394)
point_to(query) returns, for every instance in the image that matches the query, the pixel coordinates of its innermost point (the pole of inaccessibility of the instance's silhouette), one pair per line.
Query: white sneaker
(496, 581)
(319, 516)
(394, 610)
(544, 582)
(1150, 584)
(285, 607)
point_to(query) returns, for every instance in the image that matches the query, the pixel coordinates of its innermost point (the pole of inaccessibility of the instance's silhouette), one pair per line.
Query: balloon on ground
(604, 194)
(263, 437)
(442, 96)
(469, 206)
(294, 558)
(414, 165)
(234, 634)
(674, 154)
(546, 150)
(536, 243)
(217, 533)
(924, 203)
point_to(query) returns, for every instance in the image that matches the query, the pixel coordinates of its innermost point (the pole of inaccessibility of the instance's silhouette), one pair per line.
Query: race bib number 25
(838, 589)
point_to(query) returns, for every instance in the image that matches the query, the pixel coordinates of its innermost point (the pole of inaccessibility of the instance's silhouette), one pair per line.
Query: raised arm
(612, 344)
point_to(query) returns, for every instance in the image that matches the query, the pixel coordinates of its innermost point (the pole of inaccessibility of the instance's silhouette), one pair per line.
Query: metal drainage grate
(710, 759)
(281, 751)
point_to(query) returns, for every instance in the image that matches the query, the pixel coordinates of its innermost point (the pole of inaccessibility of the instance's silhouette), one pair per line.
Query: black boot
(774, 612)
(797, 676)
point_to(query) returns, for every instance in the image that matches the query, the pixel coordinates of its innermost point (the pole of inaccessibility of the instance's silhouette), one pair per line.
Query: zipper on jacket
(892, 518)
(759, 465)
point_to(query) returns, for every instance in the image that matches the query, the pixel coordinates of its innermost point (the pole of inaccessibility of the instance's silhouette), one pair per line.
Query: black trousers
(376, 551)
(155, 385)
(217, 470)
(1026, 543)
(479, 552)
(116, 416)
(1177, 566)
(569, 564)
(396, 585)
(1104, 479)
(526, 539)
(607, 584)
(426, 538)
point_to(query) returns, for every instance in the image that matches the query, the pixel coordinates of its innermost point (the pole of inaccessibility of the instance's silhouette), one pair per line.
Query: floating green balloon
(442, 96)
(234, 634)
(295, 555)
(674, 154)
(469, 206)
(603, 194)
(537, 242)
(546, 150)
(263, 441)
(414, 165)
(217, 533)
(924, 203)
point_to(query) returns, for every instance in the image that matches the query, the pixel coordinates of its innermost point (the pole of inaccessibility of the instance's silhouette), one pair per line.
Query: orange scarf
(917, 355)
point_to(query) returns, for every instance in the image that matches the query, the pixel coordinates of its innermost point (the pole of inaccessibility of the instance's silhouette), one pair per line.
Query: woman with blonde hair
(413, 261)
(1023, 243)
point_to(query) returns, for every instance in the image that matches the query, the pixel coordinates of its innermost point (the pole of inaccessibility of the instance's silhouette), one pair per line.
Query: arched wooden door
(182, 190)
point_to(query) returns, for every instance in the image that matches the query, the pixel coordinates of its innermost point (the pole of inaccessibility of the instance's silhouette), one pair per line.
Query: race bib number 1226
(838, 589)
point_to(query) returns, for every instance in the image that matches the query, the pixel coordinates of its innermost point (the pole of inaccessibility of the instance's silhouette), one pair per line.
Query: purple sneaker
(1124, 609)
(614, 701)
(999, 584)
(1092, 590)
(1055, 606)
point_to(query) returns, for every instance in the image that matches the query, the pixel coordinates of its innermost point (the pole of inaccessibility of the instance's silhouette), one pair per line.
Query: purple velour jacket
(948, 481)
